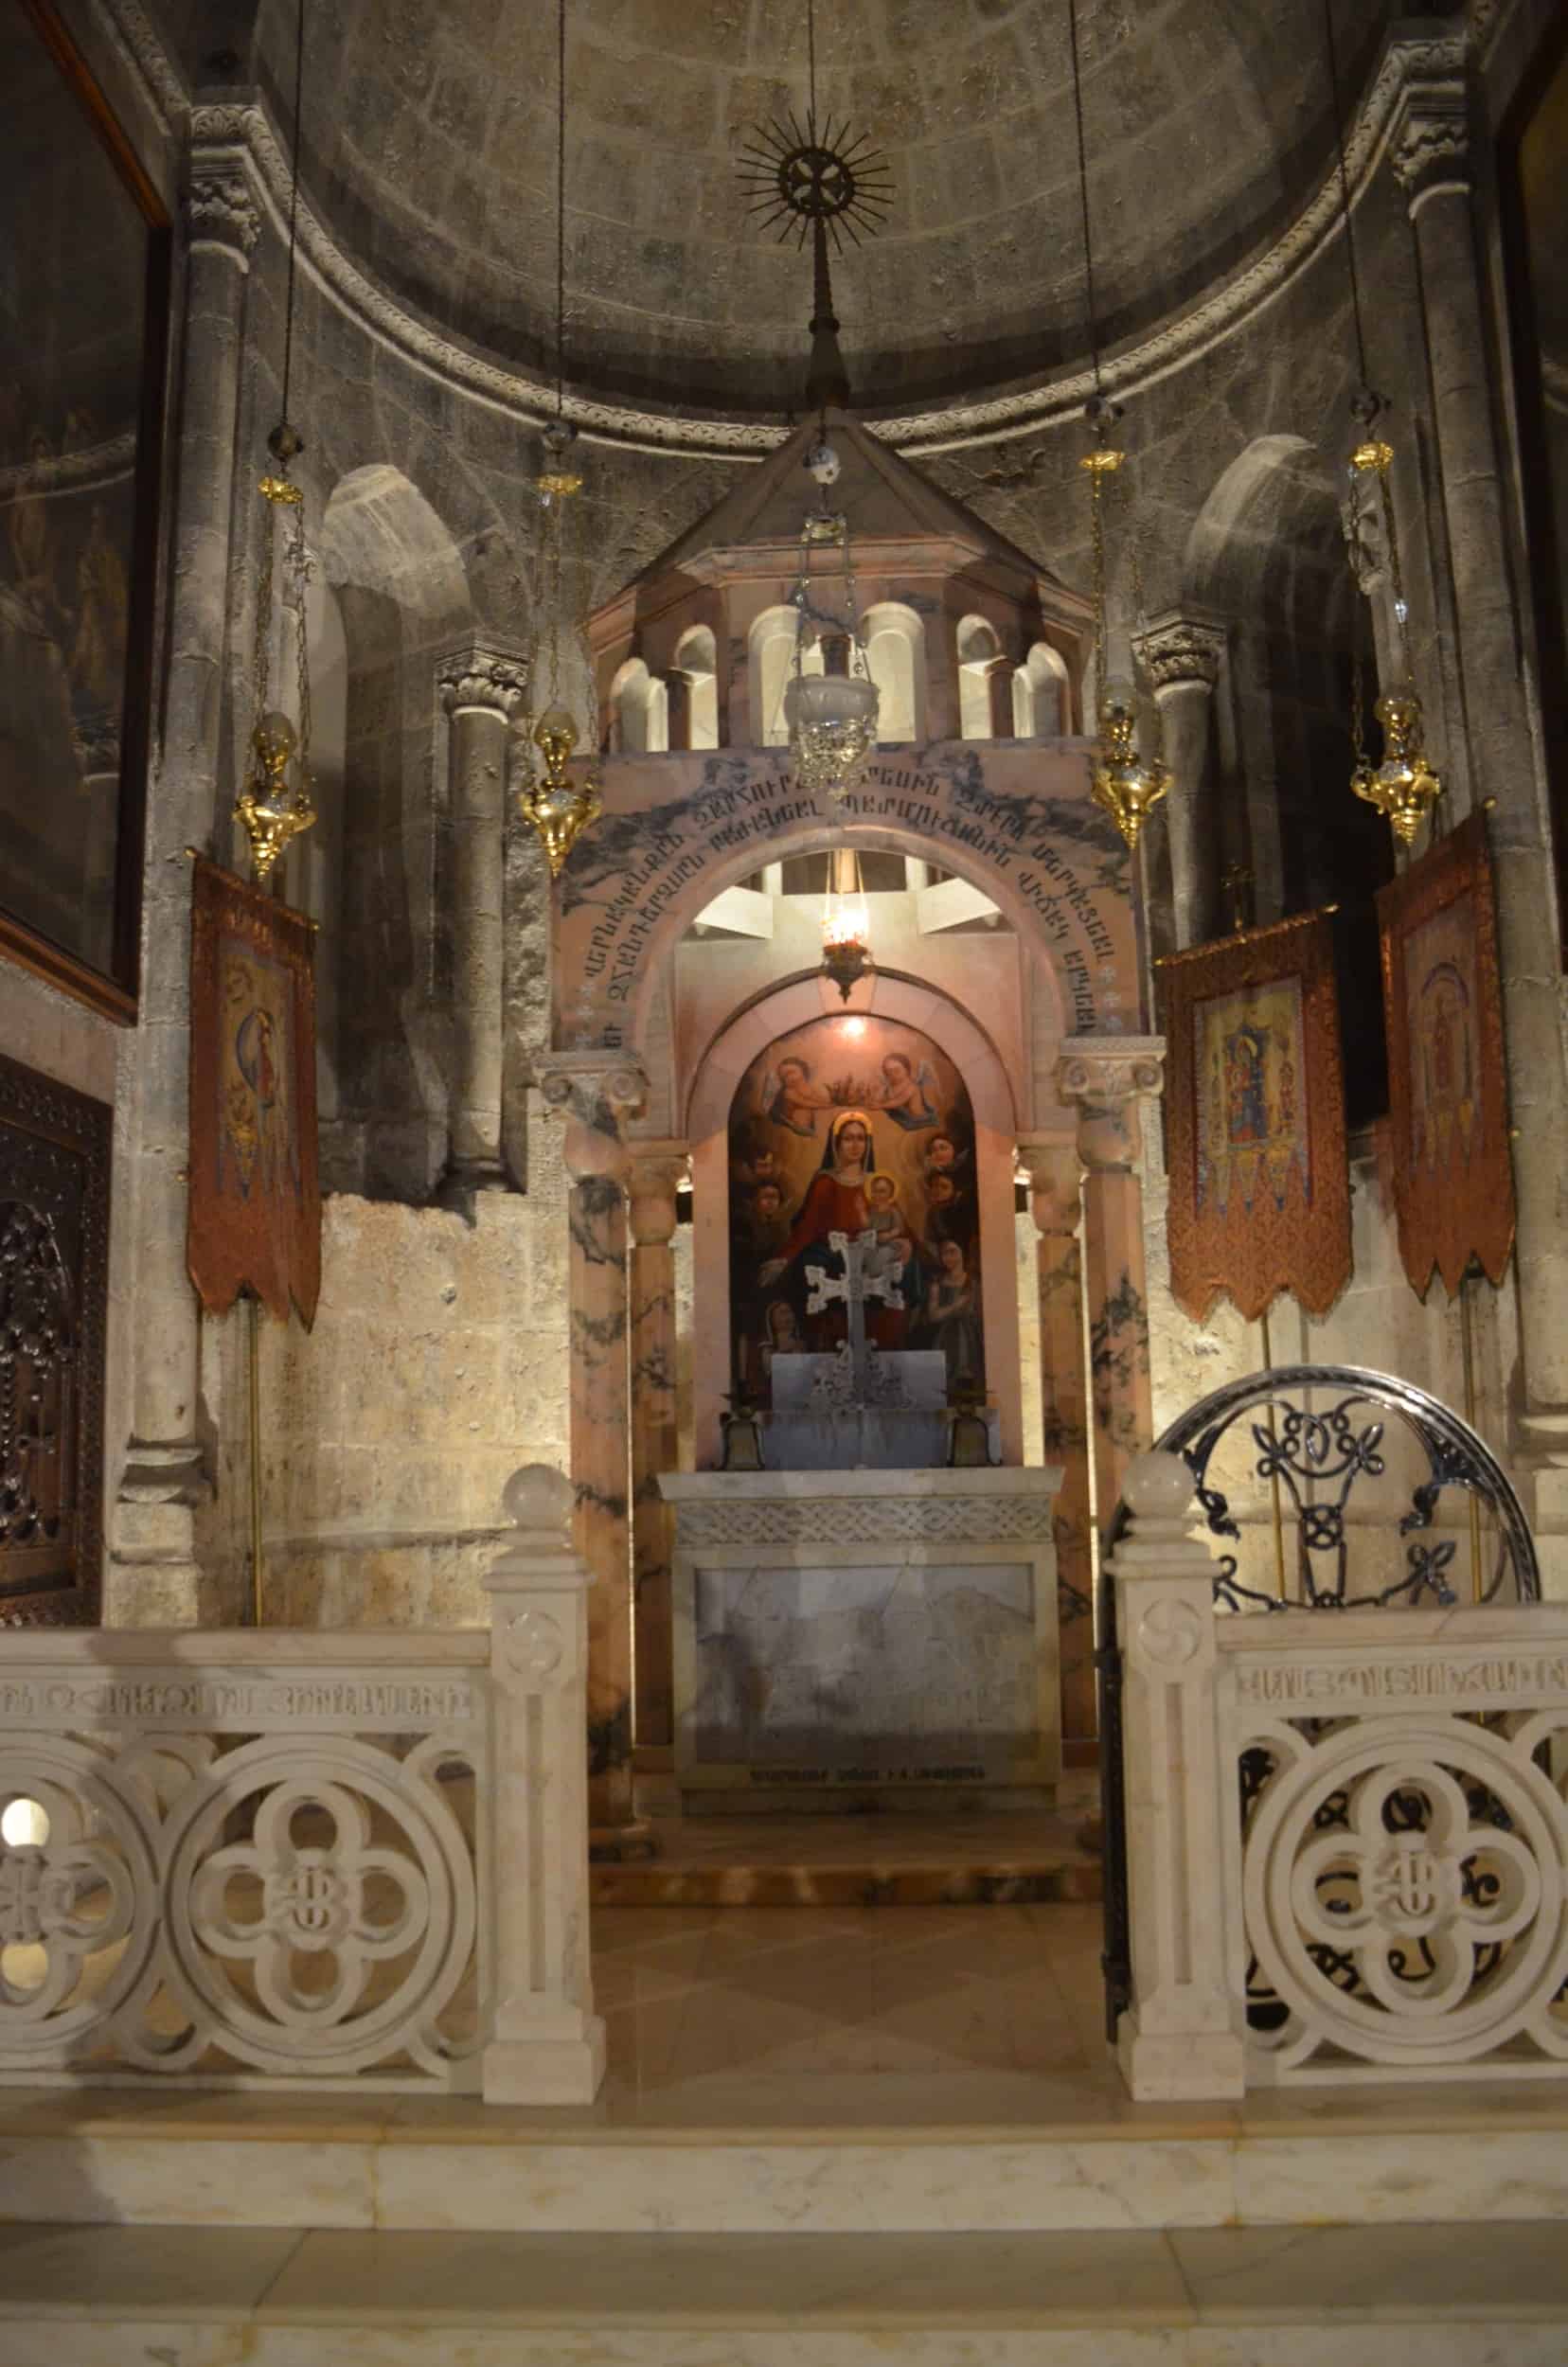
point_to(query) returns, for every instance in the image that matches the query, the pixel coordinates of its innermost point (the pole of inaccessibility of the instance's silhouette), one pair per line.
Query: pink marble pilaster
(593, 1091)
(658, 1170)
(1103, 1079)
(1052, 1168)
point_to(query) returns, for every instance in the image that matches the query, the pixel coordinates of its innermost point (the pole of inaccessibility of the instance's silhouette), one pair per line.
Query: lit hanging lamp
(1404, 785)
(1125, 784)
(274, 804)
(559, 806)
(822, 183)
(845, 922)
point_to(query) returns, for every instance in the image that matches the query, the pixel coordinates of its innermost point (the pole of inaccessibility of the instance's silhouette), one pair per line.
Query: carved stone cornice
(220, 210)
(489, 681)
(1430, 139)
(131, 34)
(952, 427)
(656, 1170)
(1054, 1170)
(1177, 650)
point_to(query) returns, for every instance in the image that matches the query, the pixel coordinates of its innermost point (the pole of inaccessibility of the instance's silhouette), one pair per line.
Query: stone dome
(429, 146)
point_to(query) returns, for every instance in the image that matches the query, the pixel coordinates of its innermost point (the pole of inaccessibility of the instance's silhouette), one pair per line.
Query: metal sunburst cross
(823, 184)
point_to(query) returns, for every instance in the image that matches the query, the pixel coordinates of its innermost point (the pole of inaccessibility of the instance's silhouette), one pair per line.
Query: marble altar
(852, 1637)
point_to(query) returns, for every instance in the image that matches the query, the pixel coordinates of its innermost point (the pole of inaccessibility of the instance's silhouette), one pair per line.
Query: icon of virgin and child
(840, 1132)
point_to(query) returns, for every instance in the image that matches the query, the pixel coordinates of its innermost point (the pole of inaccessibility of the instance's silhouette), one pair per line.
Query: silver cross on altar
(860, 1280)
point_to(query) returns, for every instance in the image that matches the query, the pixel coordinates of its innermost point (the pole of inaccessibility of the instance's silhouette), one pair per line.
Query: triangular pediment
(886, 499)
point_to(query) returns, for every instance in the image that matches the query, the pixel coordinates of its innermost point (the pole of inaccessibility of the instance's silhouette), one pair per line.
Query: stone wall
(436, 1365)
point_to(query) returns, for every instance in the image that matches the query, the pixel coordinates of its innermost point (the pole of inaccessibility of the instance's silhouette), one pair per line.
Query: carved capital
(488, 681)
(1430, 142)
(221, 211)
(656, 1173)
(1104, 1077)
(1178, 649)
(595, 1091)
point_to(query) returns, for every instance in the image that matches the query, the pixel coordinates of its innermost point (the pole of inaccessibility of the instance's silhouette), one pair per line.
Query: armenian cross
(854, 1285)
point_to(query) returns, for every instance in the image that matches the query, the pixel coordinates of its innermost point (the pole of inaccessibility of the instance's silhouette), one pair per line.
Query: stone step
(1483, 2295)
(730, 2159)
(1033, 1857)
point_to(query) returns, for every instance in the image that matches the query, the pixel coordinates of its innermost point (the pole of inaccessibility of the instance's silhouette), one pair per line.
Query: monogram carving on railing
(291, 1905)
(1403, 1892)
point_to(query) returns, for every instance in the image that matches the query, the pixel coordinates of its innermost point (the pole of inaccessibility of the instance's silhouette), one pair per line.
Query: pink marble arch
(969, 1054)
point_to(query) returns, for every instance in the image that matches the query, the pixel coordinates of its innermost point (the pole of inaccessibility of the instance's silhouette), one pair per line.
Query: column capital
(595, 1091)
(221, 210)
(657, 1169)
(1428, 140)
(1054, 1171)
(1182, 646)
(487, 680)
(1100, 1070)
(1104, 1077)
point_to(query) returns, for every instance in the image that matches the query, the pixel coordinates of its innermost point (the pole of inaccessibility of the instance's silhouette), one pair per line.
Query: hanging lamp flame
(845, 924)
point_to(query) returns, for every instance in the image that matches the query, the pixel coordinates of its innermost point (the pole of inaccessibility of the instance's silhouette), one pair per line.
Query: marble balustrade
(1393, 1889)
(196, 1823)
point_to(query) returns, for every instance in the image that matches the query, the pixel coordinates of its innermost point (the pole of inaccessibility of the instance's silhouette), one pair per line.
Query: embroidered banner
(1447, 1091)
(1254, 1106)
(255, 1219)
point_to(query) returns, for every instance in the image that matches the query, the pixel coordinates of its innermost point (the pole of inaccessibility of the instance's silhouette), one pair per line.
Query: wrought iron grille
(1318, 1431)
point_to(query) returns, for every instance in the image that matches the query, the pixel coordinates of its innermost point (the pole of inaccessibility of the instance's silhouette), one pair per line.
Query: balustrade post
(544, 2044)
(1184, 2036)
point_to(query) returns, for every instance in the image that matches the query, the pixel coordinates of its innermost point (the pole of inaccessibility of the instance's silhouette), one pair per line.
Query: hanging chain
(1096, 534)
(561, 209)
(262, 664)
(1083, 197)
(300, 568)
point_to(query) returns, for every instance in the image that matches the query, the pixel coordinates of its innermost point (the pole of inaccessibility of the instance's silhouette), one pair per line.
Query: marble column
(658, 1168)
(482, 690)
(1182, 652)
(594, 1090)
(1055, 1197)
(152, 1573)
(1103, 1079)
(1431, 152)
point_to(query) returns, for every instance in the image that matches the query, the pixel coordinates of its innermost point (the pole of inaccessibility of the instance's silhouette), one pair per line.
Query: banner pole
(1273, 1476)
(253, 1358)
(1467, 1347)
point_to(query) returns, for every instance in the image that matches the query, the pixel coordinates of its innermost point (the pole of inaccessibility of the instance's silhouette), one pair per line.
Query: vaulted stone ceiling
(429, 140)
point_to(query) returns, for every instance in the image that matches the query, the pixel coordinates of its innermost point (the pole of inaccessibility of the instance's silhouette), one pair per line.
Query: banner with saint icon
(1453, 1190)
(1254, 1106)
(255, 1221)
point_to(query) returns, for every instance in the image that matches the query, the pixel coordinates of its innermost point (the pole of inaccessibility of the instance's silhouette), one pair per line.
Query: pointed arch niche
(888, 1006)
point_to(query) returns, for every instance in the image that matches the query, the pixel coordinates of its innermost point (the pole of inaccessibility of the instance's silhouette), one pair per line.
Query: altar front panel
(846, 1634)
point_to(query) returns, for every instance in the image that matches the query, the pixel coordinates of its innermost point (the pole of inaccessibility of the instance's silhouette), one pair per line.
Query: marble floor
(695, 1999)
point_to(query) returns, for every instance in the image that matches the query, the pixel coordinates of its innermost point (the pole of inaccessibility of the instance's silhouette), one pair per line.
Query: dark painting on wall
(851, 1124)
(83, 270)
(54, 1282)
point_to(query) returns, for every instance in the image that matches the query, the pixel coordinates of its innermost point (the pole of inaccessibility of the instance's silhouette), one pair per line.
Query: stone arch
(1267, 553)
(736, 1043)
(770, 660)
(895, 649)
(398, 576)
(640, 711)
(979, 648)
(696, 663)
(1042, 695)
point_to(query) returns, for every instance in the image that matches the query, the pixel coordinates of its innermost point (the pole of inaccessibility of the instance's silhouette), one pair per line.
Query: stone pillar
(594, 1091)
(1104, 1077)
(544, 2044)
(1184, 2034)
(1431, 152)
(481, 690)
(152, 1573)
(657, 1170)
(1052, 1168)
(1182, 653)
